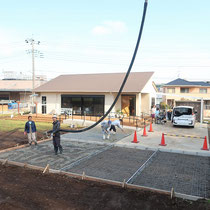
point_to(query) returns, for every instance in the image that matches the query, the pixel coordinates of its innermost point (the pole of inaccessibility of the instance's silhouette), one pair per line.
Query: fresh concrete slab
(43, 154)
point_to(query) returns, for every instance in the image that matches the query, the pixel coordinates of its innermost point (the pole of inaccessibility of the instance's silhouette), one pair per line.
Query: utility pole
(32, 42)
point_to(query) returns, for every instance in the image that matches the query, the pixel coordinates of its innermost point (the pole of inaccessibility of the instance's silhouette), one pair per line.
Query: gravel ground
(185, 173)
(115, 164)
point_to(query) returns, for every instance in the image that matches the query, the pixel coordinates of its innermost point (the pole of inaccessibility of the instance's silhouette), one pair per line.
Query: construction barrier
(162, 143)
(150, 128)
(135, 138)
(205, 146)
(144, 132)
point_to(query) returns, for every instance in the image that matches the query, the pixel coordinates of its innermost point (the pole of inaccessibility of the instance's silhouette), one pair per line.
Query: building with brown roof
(17, 90)
(92, 94)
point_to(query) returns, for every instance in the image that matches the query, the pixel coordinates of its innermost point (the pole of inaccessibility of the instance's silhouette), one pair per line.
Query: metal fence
(127, 120)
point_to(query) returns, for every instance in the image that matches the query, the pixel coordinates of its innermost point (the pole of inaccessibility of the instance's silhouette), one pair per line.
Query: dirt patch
(14, 138)
(28, 189)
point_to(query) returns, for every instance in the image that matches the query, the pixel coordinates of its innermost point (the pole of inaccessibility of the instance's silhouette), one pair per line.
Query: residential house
(93, 94)
(180, 90)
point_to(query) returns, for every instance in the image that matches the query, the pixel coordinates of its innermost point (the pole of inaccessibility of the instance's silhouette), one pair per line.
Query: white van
(183, 116)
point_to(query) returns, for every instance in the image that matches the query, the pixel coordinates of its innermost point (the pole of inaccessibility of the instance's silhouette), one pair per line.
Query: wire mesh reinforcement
(187, 174)
(85, 158)
(115, 164)
(142, 167)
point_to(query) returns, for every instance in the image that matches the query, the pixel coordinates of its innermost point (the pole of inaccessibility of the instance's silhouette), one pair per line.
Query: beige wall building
(187, 91)
(93, 94)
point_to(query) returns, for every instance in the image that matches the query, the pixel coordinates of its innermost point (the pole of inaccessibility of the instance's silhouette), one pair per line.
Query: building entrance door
(128, 104)
(44, 104)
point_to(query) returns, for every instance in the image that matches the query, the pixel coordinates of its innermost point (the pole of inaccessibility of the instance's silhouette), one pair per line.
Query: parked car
(183, 116)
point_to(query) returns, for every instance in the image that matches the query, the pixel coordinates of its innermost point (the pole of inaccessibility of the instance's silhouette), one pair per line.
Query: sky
(99, 37)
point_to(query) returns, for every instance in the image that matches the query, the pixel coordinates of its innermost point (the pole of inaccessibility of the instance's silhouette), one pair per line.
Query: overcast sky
(99, 36)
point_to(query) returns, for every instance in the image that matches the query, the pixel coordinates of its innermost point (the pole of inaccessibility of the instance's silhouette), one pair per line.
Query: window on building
(203, 90)
(44, 100)
(82, 104)
(4, 97)
(207, 105)
(170, 90)
(153, 102)
(184, 90)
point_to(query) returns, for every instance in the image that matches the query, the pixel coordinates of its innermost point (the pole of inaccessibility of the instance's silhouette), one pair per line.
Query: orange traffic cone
(150, 128)
(205, 146)
(135, 138)
(163, 140)
(144, 132)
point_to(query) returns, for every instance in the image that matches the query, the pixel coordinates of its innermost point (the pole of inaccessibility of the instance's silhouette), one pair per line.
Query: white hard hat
(54, 116)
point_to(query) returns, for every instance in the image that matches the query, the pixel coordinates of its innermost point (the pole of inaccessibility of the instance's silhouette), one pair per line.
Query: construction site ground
(13, 138)
(29, 189)
(11, 132)
(87, 153)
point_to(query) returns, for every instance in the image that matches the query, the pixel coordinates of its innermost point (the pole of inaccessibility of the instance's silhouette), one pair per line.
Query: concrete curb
(202, 153)
(140, 147)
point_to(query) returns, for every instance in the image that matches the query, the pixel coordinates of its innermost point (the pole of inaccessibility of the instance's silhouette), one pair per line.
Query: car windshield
(182, 111)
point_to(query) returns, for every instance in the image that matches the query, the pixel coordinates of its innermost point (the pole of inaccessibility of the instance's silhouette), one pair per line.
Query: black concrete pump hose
(124, 81)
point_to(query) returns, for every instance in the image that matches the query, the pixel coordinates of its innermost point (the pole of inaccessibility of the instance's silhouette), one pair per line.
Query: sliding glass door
(84, 104)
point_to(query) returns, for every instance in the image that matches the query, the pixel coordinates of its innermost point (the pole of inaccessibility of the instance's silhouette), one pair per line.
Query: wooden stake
(25, 165)
(5, 161)
(172, 193)
(83, 175)
(124, 184)
(46, 170)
